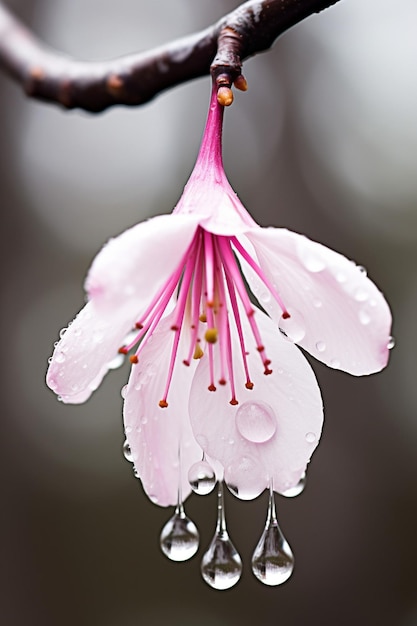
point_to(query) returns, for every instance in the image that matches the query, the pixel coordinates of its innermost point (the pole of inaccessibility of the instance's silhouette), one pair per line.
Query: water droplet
(292, 492)
(272, 560)
(221, 566)
(265, 297)
(179, 537)
(60, 357)
(361, 295)
(123, 391)
(136, 472)
(335, 363)
(116, 362)
(293, 327)
(98, 336)
(127, 452)
(245, 478)
(391, 343)
(144, 420)
(50, 360)
(202, 478)
(321, 346)
(256, 421)
(311, 260)
(364, 317)
(362, 269)
(310, 437)
(62, 332)
(341, 277)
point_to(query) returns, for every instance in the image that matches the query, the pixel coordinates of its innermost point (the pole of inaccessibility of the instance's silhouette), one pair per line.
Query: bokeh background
(325, 143)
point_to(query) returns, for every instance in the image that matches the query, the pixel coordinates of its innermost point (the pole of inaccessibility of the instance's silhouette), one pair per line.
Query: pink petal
(131, 268)
(157, 436)
(80, 359)
(337, 314)
(273, 440)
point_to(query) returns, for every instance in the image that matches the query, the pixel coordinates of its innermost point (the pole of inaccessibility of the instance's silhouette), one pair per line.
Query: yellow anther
(211, 335)
(241, 83)
(203, 317)
(225, 96)
(198, 353)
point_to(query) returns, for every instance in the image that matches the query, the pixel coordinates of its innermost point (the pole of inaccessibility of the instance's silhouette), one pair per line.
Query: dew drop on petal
(293, 327)
(123, 391)
(137, 475)
(60, 357)
(341, 277)
(364, 317)
(221, 565)
(312, 261)
(361, 295)
(362, 269)
(202, 478)
(320, 346)
(272, 560)
(256, 421)
(391, 343)
(179, 537)
(335, 363)
(310, 437)
(62, 332)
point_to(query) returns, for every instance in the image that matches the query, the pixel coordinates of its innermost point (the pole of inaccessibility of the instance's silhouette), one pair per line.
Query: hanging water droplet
(245, 478)
(391, 343)
(127, 452)
(202, 478)
(292, 492)
(136, 473)
(256, 421)
(272, 560)
(221, 566)
(293, 327)
(179, 537)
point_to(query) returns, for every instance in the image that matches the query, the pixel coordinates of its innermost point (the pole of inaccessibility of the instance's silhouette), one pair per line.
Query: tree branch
(135, 79)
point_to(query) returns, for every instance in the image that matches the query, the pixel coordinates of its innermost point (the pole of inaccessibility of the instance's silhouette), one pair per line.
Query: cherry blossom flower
(218, 385)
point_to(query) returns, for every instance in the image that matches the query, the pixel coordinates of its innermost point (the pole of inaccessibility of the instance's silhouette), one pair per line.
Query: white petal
(80, 359)
(158, 436)
(339, 315)
(273, 440)
(130, 269)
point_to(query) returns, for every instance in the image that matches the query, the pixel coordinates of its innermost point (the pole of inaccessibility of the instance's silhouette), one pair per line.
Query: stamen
(258, 270)
(133, 359)
(211, 335)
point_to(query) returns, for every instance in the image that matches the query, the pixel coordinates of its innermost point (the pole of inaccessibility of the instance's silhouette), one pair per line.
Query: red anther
(122, 350)
(187, 363)
(174, 327)
(233, 402)
(285, 315)
(267, 371)
(133, 359)
(211, 387)
(138, 325)
(222, 381)
(260, 348)
(163, 404)
(249, 384)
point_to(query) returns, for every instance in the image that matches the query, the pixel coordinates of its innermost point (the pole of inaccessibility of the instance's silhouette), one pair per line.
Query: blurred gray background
(325, 143)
